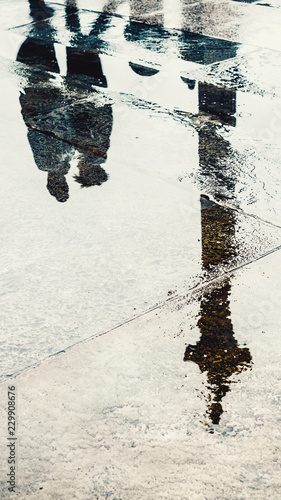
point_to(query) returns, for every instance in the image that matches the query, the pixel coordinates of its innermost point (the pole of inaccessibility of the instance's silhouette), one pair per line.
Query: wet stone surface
(140, 240)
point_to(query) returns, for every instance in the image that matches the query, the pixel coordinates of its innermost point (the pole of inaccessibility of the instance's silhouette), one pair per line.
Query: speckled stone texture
(140, 249)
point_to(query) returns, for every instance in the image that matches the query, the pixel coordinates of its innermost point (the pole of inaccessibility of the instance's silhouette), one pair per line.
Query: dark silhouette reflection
(41, 95)
(59, 121)
(91, 127)
(57, 186)
(190, 83)
(39, 10)
(217, 352)
(82, 61)
(52, 156)
(218, 101)
(217, 107)
(143, 70)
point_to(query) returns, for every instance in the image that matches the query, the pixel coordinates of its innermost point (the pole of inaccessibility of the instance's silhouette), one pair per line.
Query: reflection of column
(218, 231)
(218, 101)
(215, 174)
(217, 352)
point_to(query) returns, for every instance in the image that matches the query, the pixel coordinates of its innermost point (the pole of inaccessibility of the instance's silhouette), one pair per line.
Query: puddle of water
(114, 247)
(113, 140)
(144, 41)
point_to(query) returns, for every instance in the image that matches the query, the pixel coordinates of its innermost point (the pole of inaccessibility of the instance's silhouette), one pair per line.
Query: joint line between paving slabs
(195, 289)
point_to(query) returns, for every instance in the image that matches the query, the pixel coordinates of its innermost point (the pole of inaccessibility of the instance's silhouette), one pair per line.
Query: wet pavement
(140, 243)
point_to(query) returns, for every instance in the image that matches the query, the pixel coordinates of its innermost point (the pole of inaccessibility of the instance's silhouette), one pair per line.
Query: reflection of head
(90, 174)
(57, 186)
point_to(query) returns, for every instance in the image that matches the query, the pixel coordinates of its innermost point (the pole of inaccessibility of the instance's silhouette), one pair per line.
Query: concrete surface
(140, 240)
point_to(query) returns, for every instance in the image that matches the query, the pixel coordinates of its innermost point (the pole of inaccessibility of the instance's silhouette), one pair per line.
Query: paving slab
(130, 415)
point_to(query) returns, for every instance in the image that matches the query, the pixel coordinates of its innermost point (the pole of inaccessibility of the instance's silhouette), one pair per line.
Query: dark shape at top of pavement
(148, 35)
(190, 83)
(192, 47)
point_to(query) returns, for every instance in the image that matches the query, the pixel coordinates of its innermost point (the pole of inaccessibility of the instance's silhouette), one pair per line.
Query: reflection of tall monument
(217, 352)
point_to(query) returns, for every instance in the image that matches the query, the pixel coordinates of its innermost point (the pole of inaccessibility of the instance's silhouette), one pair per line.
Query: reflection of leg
(57, 186)
(100, 25)
(72, 17)
(90, 171)
(52, 156)
(39, 10)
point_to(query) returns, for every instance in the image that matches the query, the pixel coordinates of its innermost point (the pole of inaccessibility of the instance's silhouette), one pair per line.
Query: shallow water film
(140, 240)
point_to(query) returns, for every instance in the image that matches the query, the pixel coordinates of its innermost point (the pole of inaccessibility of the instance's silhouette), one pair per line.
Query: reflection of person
(90, 126)
(217, 352)
(57, 122)
(42, 95)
